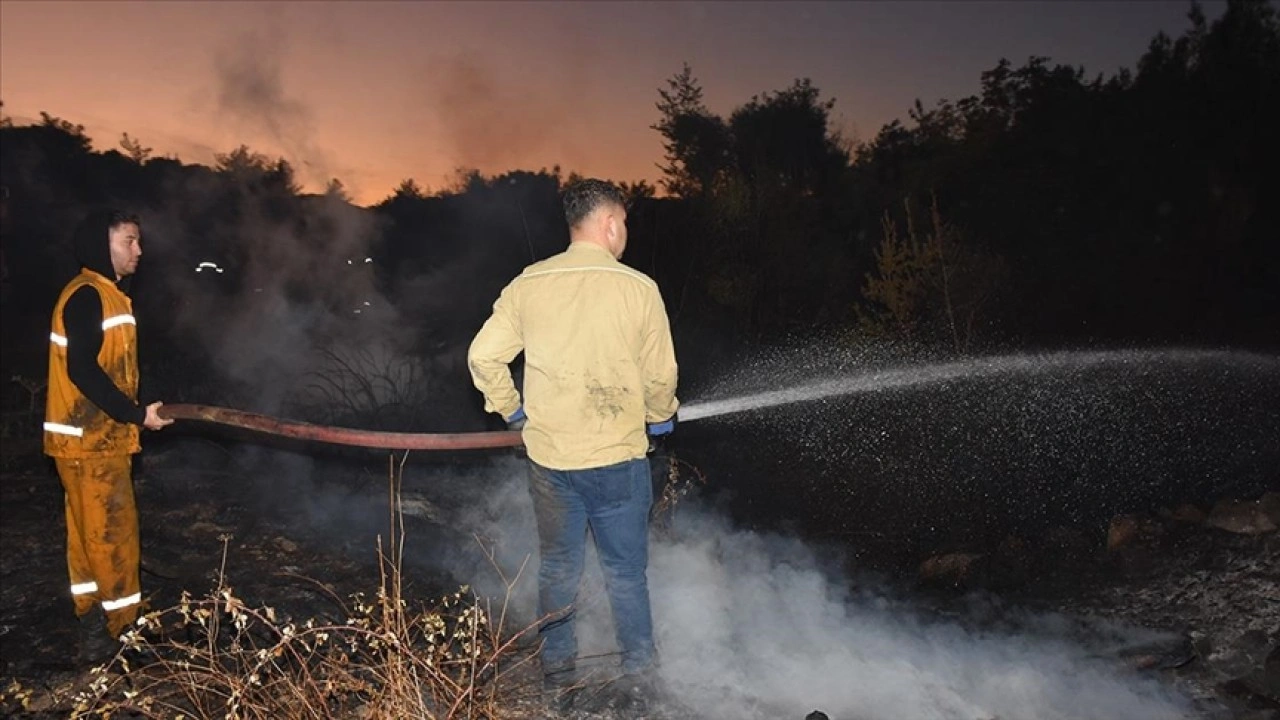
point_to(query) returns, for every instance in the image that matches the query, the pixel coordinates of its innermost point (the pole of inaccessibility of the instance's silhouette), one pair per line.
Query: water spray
(869, 381)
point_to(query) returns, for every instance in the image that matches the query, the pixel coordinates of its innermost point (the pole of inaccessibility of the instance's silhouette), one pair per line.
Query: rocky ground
(1215, 583)
(1211, 579)
(1209, 583)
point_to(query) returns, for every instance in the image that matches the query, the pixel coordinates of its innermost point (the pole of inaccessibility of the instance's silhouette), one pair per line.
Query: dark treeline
(1050, 209)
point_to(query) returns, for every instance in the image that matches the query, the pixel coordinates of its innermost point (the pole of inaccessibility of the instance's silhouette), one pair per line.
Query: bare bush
(369, 386)
(217, 656)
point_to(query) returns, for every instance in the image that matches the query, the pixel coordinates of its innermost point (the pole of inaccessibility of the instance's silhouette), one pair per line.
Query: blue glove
(665, 427)
(517, 419)
(659, 430)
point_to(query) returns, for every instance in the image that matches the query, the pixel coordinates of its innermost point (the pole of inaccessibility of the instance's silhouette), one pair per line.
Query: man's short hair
(116, 218)
(584, 196)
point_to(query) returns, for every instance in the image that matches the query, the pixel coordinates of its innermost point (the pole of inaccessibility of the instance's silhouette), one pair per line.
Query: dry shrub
(218, 657)
(371, 385)
(679, 479)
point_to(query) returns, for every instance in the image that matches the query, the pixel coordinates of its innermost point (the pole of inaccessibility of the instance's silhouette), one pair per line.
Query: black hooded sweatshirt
(82, 317)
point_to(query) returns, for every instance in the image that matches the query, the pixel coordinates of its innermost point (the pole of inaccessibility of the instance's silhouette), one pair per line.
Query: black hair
(116, 218)
(584, 196)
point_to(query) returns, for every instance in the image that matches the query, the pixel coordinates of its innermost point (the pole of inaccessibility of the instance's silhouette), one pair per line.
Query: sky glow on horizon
(373, 93)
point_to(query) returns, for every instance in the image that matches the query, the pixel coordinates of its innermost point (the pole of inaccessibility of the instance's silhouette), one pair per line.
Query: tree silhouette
(336, 190)
(782, 140)
(134, 149)
(695, 141)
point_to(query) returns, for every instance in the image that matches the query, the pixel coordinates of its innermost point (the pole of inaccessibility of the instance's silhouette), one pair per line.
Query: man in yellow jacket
(91, 429)
(599, 378)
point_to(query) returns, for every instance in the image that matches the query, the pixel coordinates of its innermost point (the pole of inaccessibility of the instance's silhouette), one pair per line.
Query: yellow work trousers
(102, 537)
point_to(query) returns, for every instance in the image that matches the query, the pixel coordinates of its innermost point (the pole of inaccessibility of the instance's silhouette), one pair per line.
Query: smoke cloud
(753, 625)
(494, 122)
(285, 289)
(251, 93)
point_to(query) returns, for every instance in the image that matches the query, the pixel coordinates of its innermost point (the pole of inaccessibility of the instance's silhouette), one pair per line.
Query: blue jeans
(614, 501)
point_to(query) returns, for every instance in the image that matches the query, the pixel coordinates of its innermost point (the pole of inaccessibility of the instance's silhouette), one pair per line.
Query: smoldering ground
(764, 625)
(750, 625)
(760, 624)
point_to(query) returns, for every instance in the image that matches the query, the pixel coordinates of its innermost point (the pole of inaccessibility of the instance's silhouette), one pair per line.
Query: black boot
(96, 644)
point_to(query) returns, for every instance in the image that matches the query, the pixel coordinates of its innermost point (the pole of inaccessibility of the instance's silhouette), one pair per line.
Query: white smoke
(749, 626)
(756, 626)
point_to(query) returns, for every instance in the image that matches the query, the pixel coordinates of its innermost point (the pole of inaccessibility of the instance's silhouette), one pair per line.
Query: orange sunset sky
(373, 93)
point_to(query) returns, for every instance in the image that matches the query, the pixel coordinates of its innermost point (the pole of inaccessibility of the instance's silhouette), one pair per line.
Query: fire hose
(339, 435)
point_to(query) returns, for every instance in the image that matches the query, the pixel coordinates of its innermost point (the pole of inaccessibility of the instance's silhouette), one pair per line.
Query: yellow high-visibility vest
(73, 426)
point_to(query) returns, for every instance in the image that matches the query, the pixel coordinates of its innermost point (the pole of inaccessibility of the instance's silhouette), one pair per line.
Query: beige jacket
(598, 358)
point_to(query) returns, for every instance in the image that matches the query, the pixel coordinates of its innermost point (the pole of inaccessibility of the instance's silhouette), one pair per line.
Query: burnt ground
(1215, 591)
(1213, 597)
(1219, 591)
(200, 530)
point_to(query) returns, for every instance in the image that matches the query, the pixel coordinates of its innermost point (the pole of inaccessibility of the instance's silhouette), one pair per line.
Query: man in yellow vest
(92, 424)
(599, 381)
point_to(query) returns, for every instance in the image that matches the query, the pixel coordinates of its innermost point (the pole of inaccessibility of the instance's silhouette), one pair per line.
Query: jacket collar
(589, 248)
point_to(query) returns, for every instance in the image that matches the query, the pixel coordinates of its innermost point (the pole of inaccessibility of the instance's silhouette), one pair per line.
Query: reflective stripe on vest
(118, 320)
(133, 599)
(84, 588)
(107, 324)
(64, 429)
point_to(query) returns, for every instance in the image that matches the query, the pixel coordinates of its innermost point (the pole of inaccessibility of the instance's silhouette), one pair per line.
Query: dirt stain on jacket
(606, 400)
